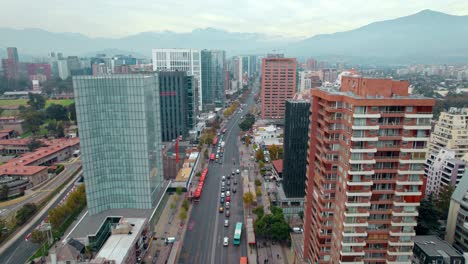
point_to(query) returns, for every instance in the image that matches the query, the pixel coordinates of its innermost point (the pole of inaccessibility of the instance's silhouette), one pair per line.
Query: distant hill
(424, 36)
(427, 36)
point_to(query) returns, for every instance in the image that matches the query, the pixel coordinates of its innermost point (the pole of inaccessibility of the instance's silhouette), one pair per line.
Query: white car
(226, 223)
(228, 193)
(223, 178)
(237, 171)
(226, 241)
(222, 195)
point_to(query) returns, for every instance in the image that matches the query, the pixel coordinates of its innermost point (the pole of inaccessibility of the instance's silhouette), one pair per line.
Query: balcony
(418, 127)
(404, 181)
(398, 234)
(355, 243)
(362, 161)
(400, 243)
(405, 172)
(412, 223)
(356, 149)
(420, 115)
(396, 203)
(359, 194)
(364, 127)
(408, 192)
(415, 138)
(359, 183)
(359, 172)
(351, 262)
(414, 149)
(352, 253)
(363, 203)
(356, 213)
(356, 224)
(405, 213)
(365, 138)
(412, 161)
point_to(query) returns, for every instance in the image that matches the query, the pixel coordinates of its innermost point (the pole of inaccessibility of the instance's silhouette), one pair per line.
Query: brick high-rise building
(278, 85)
(365, 171)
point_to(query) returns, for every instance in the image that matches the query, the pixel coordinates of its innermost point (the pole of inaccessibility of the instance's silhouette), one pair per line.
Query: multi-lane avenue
(203, 241)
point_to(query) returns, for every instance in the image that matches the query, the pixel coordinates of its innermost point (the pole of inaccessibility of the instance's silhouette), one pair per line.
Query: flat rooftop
(434, 246)
(90, 224)
(183, 175)
(118, 245)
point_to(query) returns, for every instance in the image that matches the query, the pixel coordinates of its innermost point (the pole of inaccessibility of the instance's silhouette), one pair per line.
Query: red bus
(215, 141)
(243, 260)
(224, 131)
(212, 156)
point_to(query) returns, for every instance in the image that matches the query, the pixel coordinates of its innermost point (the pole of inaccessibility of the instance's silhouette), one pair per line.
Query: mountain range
(427, 36)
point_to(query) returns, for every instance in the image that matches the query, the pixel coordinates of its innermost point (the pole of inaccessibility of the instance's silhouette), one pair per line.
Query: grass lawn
(19, 102)
(14, 102)
(9, 112)
(64, 102)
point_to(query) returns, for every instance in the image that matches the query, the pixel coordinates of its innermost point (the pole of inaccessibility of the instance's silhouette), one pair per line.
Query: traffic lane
(21, 250)
(196, 246)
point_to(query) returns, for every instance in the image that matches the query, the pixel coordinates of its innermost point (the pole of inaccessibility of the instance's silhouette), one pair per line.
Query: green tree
(36, 101)
(248, 199)
(57, 112)
(34, 144)
(185, 205)
(259, 211)
(442, 202)
(258, 182)
(72, 112)
(33, 120)
(273, 149)
(205, 154)
(38, 237)
(427, 218)
(25, 213)
(4, 192)
(261, 164)
(273, 226)
(259, 191)
(248, 141)
(259, 155)
(183, 214)
(179, 191)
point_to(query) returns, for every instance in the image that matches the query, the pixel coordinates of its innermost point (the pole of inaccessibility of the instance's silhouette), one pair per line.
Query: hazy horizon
(291, 19)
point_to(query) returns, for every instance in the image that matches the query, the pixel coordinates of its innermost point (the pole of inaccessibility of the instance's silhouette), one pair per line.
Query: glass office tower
(120, 137)
(213, 65)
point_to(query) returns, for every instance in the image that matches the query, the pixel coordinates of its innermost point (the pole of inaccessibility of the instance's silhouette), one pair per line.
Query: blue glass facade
(120, 138)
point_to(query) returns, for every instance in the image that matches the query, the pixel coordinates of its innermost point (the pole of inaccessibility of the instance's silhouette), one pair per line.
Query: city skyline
(320, 17)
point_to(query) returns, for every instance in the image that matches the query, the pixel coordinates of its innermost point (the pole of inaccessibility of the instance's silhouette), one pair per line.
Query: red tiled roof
(278, 165)
(19, 166)
(11, 169)
(15, 142)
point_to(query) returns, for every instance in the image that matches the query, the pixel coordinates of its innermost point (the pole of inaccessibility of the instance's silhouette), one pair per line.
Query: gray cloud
(292, 18)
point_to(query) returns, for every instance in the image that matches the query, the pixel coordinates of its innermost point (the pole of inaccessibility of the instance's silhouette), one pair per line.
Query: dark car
(221, 200)
(234, 190)
(228, 182)
(235, 182)
(228, 188)
(228, 213)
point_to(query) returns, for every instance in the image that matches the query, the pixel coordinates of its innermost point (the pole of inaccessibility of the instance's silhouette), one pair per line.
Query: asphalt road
(21, 250)
(203, 243)
(44, 191)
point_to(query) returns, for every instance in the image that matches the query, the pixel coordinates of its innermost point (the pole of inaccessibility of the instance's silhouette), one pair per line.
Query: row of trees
(74, 204)
(231, 109)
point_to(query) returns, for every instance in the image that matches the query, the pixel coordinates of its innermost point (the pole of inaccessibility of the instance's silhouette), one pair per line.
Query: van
(170, 240)
(297, 230)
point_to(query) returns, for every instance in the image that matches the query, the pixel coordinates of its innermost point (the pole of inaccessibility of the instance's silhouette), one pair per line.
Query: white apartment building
(63, 70)
(188, 60)
(442, 169)
(451, 132)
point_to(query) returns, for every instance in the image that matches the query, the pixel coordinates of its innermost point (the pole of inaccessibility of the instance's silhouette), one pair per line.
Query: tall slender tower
(367, 143)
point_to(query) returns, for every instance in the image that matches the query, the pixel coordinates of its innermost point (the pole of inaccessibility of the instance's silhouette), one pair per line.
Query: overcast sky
(289, 18)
